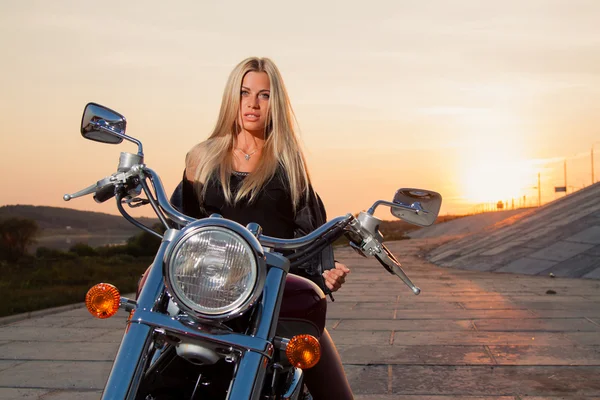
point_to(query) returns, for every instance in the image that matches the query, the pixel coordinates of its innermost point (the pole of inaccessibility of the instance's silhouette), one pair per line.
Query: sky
(469, 98)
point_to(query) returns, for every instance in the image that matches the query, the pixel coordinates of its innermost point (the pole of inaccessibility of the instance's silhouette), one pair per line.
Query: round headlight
(212, 271)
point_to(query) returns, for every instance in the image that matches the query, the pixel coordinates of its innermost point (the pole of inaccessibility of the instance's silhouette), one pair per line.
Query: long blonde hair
(281, 147)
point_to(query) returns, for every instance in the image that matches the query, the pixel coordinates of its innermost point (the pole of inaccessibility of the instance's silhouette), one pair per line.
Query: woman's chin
(254, 128)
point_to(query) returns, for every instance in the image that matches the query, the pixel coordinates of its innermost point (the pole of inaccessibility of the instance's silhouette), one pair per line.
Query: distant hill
(50, 218)
(63, 227)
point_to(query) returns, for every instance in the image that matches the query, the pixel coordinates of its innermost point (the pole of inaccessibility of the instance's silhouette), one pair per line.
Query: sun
(494, 180)
(493, 166)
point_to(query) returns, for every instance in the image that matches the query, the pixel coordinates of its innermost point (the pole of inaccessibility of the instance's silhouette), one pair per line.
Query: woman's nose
(253, 102)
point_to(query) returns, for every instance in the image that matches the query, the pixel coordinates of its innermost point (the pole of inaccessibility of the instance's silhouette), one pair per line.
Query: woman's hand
(335, 278)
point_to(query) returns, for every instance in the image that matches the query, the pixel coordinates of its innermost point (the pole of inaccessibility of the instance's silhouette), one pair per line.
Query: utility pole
(566, 190)
(539, 191)
(592, 163)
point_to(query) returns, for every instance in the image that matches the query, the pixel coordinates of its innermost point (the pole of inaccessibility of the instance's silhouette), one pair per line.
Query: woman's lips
(252, 117)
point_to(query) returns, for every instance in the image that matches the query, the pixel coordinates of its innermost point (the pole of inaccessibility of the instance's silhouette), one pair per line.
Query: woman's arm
(186, 195)
(311, 214)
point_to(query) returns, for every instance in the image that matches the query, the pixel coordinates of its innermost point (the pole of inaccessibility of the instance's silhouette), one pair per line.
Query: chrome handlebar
(365, 228)
(296, 243)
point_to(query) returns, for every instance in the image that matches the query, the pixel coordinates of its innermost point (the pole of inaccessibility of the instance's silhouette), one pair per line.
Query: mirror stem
(415, 207)
(128, 138)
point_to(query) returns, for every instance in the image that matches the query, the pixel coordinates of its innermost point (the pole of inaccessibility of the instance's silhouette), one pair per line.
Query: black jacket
(311, 216)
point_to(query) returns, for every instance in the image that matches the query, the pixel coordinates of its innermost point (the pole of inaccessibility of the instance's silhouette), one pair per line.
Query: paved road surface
(469, 335)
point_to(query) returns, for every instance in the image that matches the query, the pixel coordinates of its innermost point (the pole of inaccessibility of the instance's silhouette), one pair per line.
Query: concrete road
(469, 335)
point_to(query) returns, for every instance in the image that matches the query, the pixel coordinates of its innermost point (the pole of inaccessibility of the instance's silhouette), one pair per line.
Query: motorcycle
(217, 315)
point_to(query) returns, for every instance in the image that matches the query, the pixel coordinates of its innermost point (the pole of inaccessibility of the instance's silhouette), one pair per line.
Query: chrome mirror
(416, 206)
(102, 124)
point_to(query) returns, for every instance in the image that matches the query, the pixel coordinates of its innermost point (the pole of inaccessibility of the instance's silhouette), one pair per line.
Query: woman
(252, 169)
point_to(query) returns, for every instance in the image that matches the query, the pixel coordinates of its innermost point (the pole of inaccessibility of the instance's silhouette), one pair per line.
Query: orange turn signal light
(303, 351)
(102, 300)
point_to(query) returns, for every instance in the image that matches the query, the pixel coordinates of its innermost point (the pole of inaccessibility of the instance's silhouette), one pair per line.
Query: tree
(16, 234)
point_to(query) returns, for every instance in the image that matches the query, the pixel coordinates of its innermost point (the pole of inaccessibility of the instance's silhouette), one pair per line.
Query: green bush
(54, 254)
(82, 249)
(118, 259)
(109, 251)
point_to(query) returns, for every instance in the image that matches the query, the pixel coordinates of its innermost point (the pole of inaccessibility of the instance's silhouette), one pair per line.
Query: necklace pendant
(247, 157)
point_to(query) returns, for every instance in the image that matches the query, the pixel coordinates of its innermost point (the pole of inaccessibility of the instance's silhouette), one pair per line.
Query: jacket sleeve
(311, 215)
(184, 199)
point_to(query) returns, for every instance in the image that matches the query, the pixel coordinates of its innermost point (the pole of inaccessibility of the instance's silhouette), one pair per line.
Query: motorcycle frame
(254, 352)
(136, 345)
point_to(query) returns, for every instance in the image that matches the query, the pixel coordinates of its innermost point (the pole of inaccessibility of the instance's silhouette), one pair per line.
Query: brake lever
(92, 189)
(387, 259)
(84, 192)
(112, 180)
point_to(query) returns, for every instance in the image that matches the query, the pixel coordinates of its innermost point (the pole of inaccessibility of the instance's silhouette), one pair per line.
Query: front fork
(250, 374)
(128, 368)
(133, 356)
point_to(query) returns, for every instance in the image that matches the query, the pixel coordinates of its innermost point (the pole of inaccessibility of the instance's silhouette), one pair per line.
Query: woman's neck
(247, 151)
(249, 141)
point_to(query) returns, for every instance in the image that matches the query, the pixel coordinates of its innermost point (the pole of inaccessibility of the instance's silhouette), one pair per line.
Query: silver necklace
(246, 155)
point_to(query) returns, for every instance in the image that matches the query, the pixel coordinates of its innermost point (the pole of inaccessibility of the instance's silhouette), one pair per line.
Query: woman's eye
(265, 96)
(244, 93)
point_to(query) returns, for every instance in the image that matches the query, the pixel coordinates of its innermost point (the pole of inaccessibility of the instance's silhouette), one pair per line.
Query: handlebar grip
(105, 193)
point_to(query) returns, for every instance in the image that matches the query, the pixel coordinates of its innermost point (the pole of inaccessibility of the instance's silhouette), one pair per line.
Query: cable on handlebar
(133, 220)
(153, 202)
(300, 257)
(320, 243)
(335, 231)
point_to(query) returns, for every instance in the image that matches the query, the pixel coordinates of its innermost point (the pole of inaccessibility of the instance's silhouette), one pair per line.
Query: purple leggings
(327, 379)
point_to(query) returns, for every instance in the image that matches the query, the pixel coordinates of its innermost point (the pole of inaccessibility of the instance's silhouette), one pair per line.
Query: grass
(36, 283)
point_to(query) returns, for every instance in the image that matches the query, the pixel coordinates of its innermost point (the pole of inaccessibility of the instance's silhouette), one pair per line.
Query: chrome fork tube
(250, 375)
(271, 303)
(132, 357)
(128, 368)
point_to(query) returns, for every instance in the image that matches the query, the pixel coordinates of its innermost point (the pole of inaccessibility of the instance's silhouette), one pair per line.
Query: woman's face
(254, 101)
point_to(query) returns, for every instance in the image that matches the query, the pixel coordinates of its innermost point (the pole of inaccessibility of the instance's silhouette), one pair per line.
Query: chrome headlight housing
(215, 269)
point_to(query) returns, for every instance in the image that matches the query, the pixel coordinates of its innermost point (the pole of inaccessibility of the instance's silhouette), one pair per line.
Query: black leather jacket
(311, 216)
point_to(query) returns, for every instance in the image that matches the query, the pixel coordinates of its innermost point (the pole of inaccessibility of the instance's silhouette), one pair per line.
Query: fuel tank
(303, 308)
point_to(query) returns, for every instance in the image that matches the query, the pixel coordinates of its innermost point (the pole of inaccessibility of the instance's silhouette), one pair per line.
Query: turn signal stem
(127, 304)
(280, 343)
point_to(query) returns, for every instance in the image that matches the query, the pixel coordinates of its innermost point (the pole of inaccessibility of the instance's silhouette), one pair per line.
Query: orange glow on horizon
(493, 181)
(495, 167)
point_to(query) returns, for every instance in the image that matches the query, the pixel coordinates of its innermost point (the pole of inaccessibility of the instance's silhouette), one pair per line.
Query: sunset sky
(471, 98)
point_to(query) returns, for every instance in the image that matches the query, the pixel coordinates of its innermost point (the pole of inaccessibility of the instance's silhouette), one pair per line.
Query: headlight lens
(213, 271)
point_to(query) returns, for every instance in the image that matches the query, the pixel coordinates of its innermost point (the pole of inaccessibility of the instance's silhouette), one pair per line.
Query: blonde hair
(281, 147)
